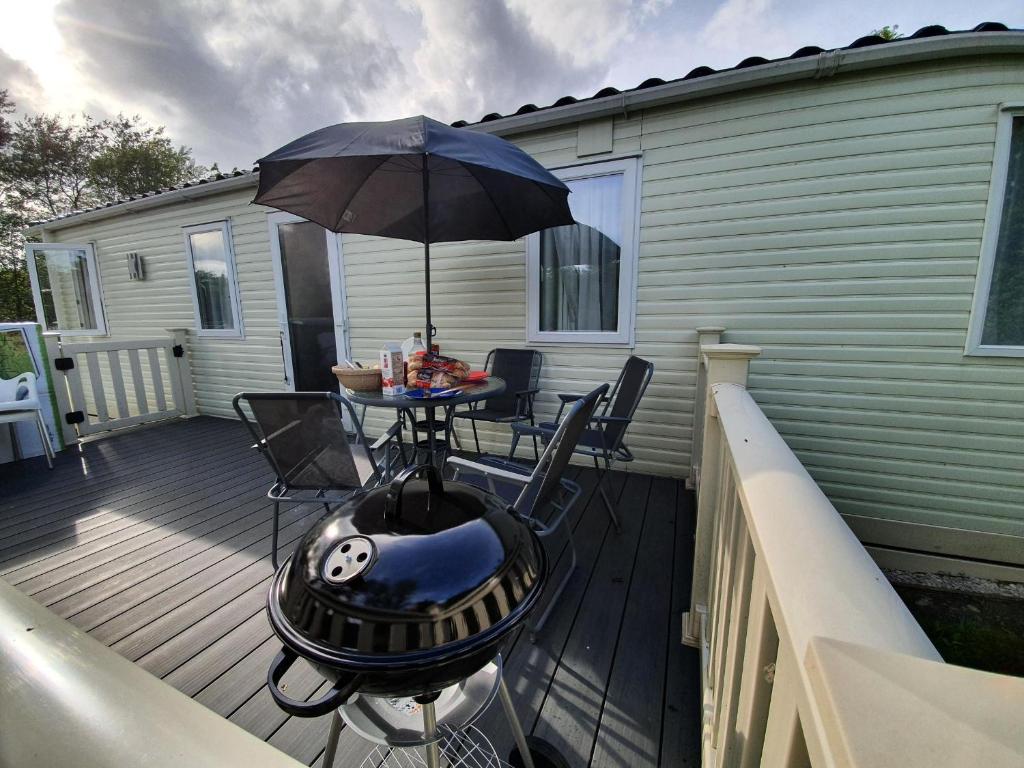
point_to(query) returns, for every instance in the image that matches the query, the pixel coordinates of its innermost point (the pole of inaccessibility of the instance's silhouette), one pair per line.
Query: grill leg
(273, 551)
(430, 732)
(515, 725)
(332, 740)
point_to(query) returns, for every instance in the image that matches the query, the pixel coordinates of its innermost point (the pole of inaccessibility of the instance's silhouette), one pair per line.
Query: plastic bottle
(413, 344)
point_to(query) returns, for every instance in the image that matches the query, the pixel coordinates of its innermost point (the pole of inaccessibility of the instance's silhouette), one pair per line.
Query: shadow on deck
(156, 541)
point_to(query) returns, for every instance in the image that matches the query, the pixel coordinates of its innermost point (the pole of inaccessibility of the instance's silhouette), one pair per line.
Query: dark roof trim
(871, 52)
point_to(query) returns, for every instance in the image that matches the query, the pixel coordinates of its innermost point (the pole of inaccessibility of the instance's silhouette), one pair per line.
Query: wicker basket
(358, 379)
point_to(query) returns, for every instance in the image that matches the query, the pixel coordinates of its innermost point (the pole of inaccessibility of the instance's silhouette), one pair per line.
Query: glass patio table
(471, 393)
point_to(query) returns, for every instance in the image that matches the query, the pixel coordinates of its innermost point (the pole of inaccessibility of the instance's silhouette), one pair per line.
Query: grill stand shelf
(437, 731)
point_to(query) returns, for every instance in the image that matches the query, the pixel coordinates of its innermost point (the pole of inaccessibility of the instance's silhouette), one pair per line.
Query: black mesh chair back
(520, 368)
(626, 396)
(547, 476)
(303, 436)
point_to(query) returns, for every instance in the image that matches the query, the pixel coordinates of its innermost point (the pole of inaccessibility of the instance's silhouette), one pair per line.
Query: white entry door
(310, 301)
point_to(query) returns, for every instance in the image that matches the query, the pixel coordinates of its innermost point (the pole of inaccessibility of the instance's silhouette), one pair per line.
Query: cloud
(478, 57)
(234, 79)
(21, 83)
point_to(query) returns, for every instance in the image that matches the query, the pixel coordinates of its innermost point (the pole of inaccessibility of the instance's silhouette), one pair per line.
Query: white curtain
(1004, 316)
(579, 264)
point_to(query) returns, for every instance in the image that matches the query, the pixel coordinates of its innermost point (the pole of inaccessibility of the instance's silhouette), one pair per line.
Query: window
(580, 278)
(65, 288)
(997, 317)
(214, 288)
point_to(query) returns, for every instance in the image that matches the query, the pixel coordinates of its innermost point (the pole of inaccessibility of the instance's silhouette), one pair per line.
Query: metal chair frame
(523, 403)
(536, 489)
(280, 492)
(607, 452)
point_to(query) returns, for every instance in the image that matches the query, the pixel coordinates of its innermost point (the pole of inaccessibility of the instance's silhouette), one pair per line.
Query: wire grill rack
(466, 748)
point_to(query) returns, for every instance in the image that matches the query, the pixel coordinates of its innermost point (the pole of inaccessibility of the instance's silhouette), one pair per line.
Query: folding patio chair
(531, 491)
(603, 441)
(303, 438)
(520, 368)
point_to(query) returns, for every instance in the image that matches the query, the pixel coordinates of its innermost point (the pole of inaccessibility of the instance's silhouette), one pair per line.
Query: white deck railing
(104, 385)
(808, 656)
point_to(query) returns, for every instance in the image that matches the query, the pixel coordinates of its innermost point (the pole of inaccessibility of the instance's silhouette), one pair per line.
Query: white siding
(135, 309)
(835, 222)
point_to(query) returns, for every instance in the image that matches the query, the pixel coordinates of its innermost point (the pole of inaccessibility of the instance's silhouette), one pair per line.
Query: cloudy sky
(236, 78)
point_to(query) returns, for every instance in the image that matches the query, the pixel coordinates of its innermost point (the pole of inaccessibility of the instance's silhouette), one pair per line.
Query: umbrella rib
(469, 167)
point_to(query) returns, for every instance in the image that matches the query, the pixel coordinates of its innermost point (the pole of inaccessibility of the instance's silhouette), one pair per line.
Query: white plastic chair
(19, 401)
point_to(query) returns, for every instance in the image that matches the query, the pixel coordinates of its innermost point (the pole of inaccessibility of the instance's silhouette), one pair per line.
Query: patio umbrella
(413, 179)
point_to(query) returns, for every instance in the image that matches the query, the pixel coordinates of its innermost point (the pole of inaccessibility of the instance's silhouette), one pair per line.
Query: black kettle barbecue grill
(405, 591)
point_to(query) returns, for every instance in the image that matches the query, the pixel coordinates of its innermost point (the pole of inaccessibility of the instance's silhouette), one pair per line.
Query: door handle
(284, 362)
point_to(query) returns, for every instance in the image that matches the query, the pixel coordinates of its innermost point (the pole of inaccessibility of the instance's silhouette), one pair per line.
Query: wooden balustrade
(789, 611)
(104, 385)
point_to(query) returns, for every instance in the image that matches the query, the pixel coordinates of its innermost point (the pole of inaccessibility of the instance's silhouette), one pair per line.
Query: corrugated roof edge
(867, 52)
(809, 61)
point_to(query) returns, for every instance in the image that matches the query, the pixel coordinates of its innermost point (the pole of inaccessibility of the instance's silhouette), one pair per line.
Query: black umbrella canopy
(413, 179)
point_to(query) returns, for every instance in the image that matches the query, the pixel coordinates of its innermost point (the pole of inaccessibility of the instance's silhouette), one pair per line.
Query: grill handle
(342, 691)
(393, 501)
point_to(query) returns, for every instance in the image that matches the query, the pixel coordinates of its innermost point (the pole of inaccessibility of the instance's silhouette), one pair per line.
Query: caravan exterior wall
(837, 223)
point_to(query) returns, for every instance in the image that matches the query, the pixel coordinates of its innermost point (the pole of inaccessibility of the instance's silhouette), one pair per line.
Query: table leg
(431, 435)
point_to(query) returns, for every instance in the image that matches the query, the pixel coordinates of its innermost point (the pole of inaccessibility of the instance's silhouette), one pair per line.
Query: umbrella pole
(428, 336)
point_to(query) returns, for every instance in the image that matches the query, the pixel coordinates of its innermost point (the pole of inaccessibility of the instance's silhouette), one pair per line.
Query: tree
(51, 165)
(888, 32)
(136, 158)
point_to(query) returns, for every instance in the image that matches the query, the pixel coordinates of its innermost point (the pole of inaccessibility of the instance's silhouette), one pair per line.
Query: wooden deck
(156, 540)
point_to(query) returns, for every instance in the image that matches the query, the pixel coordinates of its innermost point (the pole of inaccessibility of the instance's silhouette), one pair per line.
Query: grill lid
(417, 568)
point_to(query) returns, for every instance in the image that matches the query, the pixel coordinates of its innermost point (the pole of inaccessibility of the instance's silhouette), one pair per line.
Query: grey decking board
(226, 575)
(50, 486)
(180, 513)
(244, 513)
(681, 713)
(242, 627)
(569, 715)
(107, 600)
(530, 666)
(238, 684)
(52, 536)
(209, 523)
(629, 732)
(85, 507)
(100, 458)
(210, 636)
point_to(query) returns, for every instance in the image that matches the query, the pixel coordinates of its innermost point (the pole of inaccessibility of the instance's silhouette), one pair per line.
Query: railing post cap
(711, 329)
(730, 351)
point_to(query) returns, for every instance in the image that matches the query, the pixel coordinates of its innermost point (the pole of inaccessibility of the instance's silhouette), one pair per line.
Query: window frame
(99, 316)
(629, 169)
(990, 238)
(224, 227)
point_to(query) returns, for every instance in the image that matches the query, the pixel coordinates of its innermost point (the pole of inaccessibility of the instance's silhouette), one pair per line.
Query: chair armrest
(567, 398)
(527, 392)
(465, 465)
(530, 430)
(611, 419)
(390, 434)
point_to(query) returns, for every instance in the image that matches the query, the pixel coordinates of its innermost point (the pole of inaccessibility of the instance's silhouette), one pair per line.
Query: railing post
(181, 372)
(726, 364)
(59, 382)
(706, 335)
